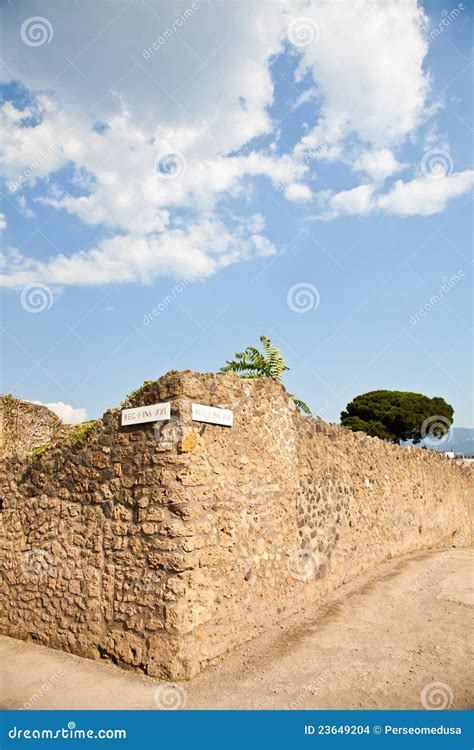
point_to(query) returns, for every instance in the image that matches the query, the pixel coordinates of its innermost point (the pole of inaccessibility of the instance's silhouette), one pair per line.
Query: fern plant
(252, 363)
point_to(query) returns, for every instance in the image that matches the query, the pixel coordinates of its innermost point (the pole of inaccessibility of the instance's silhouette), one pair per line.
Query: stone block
(125, 646)
(173, 658)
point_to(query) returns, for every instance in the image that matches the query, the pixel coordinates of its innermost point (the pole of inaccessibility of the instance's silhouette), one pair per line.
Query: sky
(180, 178)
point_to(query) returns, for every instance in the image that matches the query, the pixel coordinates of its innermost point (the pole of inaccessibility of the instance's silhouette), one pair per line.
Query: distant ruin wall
(164, 546)
(25, 426)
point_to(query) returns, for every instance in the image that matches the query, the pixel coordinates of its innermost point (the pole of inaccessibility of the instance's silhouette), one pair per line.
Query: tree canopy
(398, 415)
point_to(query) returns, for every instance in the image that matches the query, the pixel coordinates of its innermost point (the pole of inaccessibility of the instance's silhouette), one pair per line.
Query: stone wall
(163, 546)
(25, 426)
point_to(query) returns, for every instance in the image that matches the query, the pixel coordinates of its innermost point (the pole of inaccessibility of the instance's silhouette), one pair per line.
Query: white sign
(212, 414)
(152, 413)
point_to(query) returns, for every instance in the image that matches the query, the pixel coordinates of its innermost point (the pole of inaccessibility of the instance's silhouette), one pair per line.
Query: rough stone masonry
(163, 546)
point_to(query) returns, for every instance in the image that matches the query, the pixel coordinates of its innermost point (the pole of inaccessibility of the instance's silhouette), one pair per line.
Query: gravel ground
(376, 643)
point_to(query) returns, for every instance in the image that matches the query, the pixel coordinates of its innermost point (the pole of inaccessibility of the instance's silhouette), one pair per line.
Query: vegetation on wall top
(252, 363)
(136, 391)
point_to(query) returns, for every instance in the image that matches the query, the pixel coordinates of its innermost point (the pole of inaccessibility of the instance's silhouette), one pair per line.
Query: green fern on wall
(252, 363)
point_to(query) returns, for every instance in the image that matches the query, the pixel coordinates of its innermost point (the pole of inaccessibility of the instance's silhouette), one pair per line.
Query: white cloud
(200, 248)
(67, 413)
(204, 95)
(24, 208)
(262, 245)
(126, 190)
(256, 223)
(297, 191)
(424, 195)
(367, 66)
(3, 221)
(355, 201)
(421, 196)
(378, 164)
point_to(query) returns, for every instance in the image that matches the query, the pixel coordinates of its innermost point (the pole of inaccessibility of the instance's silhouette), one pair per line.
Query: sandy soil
(376, 643)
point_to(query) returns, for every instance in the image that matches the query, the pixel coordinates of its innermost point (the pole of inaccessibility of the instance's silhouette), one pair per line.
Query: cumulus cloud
(424, 195)
(378, 164)
(67, 413)
(154, 144)
(297, 191)
(367, 66)
(200, 248)
(355, 201)
(421, 196)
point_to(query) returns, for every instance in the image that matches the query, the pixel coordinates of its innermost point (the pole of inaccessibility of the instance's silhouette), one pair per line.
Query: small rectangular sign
(212, 414)
(152, 413)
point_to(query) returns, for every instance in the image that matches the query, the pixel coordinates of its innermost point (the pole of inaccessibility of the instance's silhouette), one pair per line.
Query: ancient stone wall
(25, 426)
(163, 546)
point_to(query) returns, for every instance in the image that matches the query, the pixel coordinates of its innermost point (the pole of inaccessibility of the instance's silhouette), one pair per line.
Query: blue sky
(304, 167)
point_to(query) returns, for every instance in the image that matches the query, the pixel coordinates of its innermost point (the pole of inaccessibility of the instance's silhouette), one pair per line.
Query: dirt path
(375, 644)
